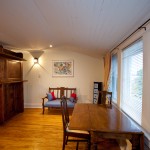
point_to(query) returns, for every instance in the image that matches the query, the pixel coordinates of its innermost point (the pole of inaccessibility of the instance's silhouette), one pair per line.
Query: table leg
(137, 142)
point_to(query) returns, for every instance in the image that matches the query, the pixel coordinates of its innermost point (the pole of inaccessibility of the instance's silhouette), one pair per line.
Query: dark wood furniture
(59, 92)
(105, 98)
(98, 86)
(80, 136)
(11, 84)
(104, 122)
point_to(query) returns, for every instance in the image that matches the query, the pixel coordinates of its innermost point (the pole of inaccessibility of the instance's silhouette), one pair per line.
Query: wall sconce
(36, 55)
(35, 60)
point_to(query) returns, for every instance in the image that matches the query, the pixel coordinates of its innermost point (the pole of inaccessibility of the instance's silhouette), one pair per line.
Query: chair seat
(77, 131)
(56, 103)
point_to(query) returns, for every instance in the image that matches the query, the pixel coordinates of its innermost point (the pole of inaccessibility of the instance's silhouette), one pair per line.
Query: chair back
(65, 113)
(105, 98)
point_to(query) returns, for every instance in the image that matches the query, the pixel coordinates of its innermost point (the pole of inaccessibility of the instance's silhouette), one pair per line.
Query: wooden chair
(80, 136)
(105, 98)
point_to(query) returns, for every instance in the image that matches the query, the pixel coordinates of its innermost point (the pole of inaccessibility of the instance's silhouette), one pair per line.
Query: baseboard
(32, 105)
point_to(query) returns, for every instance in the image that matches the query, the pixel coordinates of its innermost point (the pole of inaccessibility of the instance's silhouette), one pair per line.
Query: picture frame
(62, 68)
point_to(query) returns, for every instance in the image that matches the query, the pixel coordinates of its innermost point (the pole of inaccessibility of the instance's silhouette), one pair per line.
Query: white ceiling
(87, 26)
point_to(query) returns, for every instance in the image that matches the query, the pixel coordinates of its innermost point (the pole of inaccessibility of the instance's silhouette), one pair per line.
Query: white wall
(86, 70)
(146, 82)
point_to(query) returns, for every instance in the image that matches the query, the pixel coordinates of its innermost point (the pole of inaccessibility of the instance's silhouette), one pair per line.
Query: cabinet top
(10, 54)
(10, 82)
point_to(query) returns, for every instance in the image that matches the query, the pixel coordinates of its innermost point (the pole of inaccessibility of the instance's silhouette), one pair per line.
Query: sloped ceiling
(87, 26)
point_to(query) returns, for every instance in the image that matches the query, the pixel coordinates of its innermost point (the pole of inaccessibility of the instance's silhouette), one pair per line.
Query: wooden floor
(33, 131)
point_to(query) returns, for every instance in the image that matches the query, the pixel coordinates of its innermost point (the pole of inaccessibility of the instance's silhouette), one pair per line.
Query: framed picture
(62, 68)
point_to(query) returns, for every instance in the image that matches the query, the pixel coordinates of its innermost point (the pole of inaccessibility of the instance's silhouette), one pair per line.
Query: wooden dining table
(106, 122)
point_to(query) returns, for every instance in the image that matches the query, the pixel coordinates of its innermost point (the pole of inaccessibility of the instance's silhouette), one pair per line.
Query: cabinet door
(12, 100)
(1, 104)
(9, 101)
(2, 67)
(18, 94)
(14, 70)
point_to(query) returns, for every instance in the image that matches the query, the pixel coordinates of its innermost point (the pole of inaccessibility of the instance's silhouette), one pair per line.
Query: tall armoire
(11, 84)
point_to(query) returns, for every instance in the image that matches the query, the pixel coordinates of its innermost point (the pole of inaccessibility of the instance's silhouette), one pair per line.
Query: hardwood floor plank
(31, 130)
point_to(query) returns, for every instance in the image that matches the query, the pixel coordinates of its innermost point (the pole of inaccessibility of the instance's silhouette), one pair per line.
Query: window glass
(132, 80)
(114, 77)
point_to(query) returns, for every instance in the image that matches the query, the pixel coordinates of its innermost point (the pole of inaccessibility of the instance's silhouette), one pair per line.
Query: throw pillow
(71, 99)
(73, 95)
(53, 95)
(49, 96)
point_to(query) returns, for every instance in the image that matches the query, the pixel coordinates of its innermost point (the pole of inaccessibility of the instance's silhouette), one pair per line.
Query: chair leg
(64, 142)
(43, 110)
(95, 146)
(77, 145)
(63, 148)
(89, 145)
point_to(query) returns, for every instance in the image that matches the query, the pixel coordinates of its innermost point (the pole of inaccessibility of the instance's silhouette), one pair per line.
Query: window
(114, 77)
(132, 80)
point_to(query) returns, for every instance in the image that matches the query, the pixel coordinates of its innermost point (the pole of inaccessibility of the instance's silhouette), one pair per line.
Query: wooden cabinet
(11, 84)
(97, 87)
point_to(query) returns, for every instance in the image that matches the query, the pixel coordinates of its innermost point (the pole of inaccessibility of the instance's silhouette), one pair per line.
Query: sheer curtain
(107, 66)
